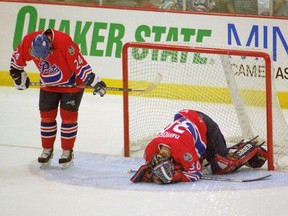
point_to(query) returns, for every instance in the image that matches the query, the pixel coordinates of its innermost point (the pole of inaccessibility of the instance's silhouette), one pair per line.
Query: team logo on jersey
(48, 70)
(71, 50)
(188, 156)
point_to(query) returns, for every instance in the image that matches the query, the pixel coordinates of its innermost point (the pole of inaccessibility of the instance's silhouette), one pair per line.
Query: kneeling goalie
(178, 152)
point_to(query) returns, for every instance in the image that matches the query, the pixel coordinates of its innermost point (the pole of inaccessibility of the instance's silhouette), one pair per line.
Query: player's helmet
(162, 169)
(40, 46)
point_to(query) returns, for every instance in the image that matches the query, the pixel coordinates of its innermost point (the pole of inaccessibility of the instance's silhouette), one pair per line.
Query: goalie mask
(162, 169)
(40, 46)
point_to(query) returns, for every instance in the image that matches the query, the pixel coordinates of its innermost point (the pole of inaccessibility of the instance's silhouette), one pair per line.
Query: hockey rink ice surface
(98, 183)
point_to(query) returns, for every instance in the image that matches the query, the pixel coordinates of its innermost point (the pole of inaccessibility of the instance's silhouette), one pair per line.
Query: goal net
(233, 86)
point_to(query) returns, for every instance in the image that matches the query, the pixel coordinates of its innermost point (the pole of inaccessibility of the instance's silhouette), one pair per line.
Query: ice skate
(45, 158)
(66, 159)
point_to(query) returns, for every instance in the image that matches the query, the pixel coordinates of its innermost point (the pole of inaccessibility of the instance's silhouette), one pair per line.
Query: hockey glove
(143, 174)
(21, 80)
(98, 85)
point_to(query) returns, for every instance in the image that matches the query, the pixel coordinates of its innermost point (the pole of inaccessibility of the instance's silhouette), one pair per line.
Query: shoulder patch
(188, 157)
(71, 50)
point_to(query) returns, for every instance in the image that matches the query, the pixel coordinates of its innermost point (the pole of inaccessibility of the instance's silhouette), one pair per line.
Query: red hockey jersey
(64, 65)
(186, 138)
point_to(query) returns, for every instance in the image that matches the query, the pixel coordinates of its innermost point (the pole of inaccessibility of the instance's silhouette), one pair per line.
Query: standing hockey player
(59, 62)
(177, 153)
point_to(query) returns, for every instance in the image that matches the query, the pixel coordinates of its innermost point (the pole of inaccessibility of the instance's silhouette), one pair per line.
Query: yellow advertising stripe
(203, 94)
(188, 92)
(283, 99)
(199, 94)
(167, 91)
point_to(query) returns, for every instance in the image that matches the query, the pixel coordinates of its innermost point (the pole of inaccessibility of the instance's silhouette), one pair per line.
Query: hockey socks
(68, 135)
(48, 134)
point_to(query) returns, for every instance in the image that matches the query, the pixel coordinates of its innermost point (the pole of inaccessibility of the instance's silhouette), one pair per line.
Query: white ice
(24, 191)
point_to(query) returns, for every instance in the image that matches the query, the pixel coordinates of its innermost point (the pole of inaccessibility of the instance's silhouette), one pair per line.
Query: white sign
(101, 33)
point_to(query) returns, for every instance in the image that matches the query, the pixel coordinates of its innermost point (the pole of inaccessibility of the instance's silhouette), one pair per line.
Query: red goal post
(164, 78)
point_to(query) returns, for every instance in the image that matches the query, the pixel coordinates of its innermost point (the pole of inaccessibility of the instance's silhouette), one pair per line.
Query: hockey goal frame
(209, 50)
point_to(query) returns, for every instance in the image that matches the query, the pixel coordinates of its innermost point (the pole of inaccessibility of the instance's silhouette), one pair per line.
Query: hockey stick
(217, 178)
(85, 86)
(153, 85)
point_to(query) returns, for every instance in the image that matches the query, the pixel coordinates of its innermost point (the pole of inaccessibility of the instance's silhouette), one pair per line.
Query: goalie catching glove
(98, 85)
(20, 78)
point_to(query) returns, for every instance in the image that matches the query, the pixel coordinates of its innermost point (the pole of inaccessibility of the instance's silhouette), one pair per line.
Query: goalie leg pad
(250, 155)
(223, 165)
(258, 159)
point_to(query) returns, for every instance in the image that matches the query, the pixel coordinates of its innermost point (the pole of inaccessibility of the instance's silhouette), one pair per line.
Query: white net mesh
(235, 100)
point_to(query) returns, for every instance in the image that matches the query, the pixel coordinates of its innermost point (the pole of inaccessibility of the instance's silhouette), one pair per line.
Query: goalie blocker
(194, 138)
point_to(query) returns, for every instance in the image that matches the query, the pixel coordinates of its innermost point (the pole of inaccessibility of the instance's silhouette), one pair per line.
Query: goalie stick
(153, 85)
(217, 178)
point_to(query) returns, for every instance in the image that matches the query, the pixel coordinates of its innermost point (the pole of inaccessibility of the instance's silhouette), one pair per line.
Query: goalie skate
(66, 160)
(45, 158)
